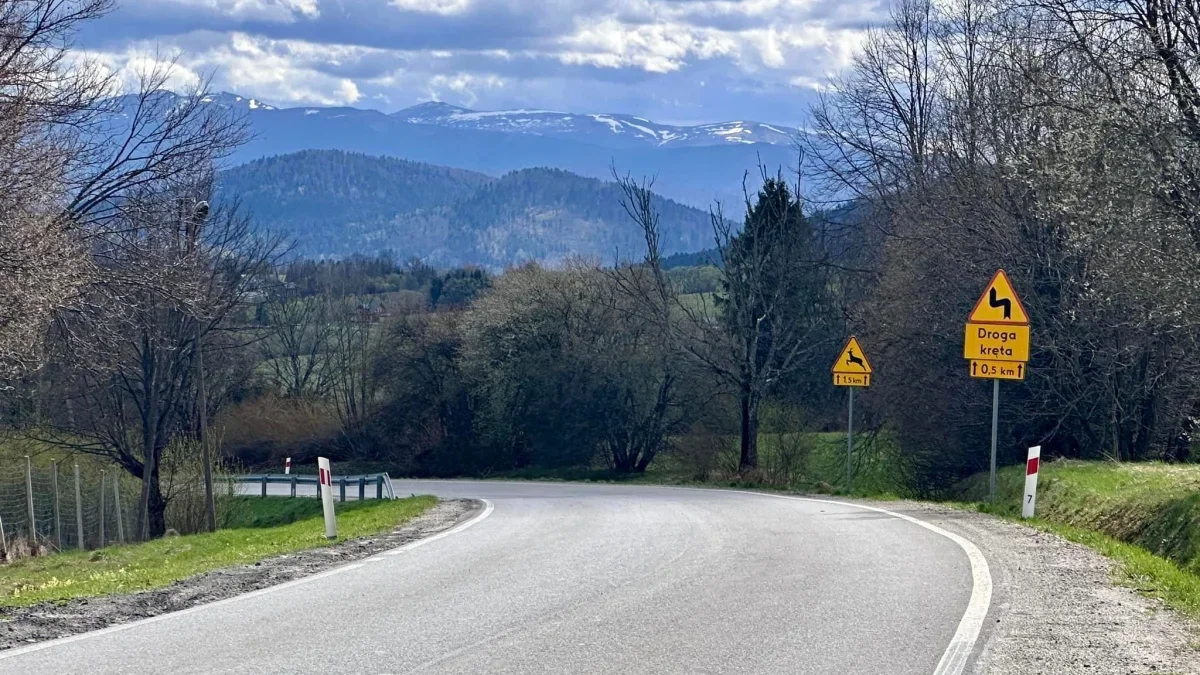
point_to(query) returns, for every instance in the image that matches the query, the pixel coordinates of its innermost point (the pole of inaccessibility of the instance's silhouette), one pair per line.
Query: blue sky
(681, 61)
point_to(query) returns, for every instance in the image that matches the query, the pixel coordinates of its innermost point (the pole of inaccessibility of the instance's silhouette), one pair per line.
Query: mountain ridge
(337, 203)
(704, 167)
(602, 128)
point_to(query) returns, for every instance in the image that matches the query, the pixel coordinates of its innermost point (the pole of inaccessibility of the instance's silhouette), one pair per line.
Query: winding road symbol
(999, 304)
(995, 301)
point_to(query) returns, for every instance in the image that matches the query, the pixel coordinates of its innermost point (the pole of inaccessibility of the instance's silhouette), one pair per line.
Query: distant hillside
(336, 203)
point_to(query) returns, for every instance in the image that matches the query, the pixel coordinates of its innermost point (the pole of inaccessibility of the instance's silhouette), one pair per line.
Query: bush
(182, 471)
(264, 431)
(700, 456)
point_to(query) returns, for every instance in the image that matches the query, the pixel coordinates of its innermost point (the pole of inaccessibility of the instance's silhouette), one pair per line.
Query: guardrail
(380, 481)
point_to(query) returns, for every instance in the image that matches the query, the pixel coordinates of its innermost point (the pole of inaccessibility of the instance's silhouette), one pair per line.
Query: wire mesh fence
(63, 507)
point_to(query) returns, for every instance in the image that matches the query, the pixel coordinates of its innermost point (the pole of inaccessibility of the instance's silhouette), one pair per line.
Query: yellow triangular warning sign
(852, 360)
(999, 304)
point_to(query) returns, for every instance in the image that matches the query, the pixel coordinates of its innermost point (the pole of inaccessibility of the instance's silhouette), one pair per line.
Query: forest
(150, 324)
(333, 204)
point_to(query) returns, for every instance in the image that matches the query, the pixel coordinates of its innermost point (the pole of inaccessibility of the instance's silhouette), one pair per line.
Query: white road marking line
(488, 507)
(958, 652)
(954, 660)
(18, 651)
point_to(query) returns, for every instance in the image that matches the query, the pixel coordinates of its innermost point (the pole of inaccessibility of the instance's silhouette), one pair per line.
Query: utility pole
(198, 215)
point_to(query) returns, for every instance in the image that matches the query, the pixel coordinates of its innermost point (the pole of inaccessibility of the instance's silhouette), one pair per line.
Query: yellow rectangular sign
(993, 342)
(852, 380)
(998, 370)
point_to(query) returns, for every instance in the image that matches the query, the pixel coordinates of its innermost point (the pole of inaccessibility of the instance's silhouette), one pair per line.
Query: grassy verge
(1151, 505)
(1139, 569)
(154, 564)
(1146, 516)
(246, 511)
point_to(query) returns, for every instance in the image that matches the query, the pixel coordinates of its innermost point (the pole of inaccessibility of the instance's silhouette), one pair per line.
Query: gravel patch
(46, 621)
(1056, 609)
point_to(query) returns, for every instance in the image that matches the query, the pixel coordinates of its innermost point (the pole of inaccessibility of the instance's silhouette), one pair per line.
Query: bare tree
(131, 403)
(298, 346)
(1057, 145)
(773, 315)
(354, 345)
(44, 99)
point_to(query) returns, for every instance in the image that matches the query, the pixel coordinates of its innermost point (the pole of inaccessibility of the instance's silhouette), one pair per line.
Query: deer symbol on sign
(852, 360)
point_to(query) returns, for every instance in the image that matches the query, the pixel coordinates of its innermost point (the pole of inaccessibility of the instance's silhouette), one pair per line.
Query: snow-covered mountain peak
(596, 128)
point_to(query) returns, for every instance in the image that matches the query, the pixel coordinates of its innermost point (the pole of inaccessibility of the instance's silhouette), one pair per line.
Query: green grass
(1137, 568)
(1146, 516)
(1151, 505)
(699, 302)
(246, 511)
(138, 567)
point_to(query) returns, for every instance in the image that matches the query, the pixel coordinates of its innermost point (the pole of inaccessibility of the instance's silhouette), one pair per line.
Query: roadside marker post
(851, 370)
(287, 466)
(326, 484)
(996, 345)
(1032, 466)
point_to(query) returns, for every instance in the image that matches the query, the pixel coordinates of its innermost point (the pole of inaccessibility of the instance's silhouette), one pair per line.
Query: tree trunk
(158, 507)
(749, 458)
(149, 441)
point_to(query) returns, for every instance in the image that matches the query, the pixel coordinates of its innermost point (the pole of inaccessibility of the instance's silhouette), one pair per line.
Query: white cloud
(647, 53)
(442, 7)
(267, 10)
(271, 70)
(659, 48)
(465, 85)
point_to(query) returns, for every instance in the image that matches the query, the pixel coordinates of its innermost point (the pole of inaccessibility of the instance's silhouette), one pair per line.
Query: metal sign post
(995, 426)
(850, 440)
(996, 346)
(852, 369)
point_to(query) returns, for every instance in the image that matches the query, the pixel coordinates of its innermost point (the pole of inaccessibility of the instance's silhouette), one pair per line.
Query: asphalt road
(582, 579)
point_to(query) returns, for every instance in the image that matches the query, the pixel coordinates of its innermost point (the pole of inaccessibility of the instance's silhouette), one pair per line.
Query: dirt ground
(47, 621)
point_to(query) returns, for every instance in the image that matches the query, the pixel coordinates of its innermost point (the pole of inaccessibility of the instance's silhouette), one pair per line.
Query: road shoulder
(1057, 609)
(46, 621)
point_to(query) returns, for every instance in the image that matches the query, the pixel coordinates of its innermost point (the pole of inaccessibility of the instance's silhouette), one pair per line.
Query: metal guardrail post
(382, 483)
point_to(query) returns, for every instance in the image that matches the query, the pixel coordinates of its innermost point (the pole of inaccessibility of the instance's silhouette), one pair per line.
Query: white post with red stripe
(1031, 476)
(326, 483)
(287, 466)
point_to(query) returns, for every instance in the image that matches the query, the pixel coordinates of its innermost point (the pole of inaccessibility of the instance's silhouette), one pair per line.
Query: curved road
(582, 579)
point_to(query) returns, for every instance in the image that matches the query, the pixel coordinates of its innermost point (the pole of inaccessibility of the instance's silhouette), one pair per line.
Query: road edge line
(954, 660)
(488, 507)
